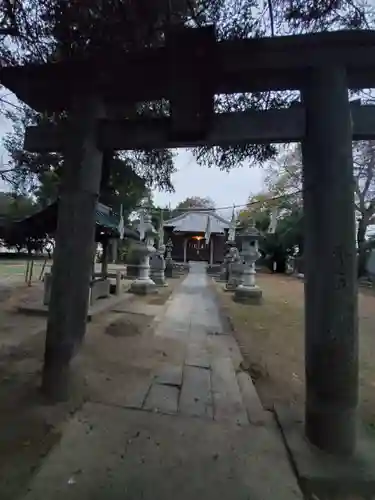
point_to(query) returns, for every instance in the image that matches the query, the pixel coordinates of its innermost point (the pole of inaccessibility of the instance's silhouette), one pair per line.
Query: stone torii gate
(188, 72)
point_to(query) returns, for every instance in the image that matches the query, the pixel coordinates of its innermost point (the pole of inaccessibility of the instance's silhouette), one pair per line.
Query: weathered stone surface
(228, 405)
(169, 375)
(114, 390)
(197, 355)
(143, 288)
(326, 474)
(331, 301)
(163, 398)
(113, 453)
(196, 399)
(255, 412)
(248, 295)
(132, 270)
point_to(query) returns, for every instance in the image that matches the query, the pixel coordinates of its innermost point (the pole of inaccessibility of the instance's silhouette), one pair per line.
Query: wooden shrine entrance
(197, 249)
(188, 72)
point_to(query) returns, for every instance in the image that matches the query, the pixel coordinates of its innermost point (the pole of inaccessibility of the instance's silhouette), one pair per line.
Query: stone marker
(248, 292)
(235, 276)
(157, 264)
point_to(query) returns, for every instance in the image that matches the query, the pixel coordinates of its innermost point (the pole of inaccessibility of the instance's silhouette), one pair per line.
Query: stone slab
(256, 414)
(248, 295)
(115, 392)
(111, 453)
(169, 328)
(228, 404)
(169, 375)
(197, 355)
(98, 307)
(224, 346)
(196, 397)
(139, 288)
(323, 474)
(134, 307)
(163, 398)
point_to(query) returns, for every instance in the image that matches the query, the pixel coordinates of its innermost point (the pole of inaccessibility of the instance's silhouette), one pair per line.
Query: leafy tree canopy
(195, 202)
(41, 30)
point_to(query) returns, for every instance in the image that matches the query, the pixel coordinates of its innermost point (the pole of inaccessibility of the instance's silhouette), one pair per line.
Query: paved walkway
(195, 430)
(204, 384)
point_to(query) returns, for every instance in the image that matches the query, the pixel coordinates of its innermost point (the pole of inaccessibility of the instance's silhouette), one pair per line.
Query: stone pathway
(195, 430)
(204, 384)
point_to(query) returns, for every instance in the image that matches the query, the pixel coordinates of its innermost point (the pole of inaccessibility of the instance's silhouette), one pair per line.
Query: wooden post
(118, 282)
(185, 249)
(211, 250)
(331, 323)
(105, 245)
(114, 250)
(73, 255)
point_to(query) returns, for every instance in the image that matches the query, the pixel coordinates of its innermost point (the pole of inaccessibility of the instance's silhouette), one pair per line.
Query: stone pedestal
(248, 292)
(248, 295)
(143, 285)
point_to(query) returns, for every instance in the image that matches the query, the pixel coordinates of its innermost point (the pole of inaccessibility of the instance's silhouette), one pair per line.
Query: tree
(283, 197)
(195, 202)
(40, 173)
(14, 207)
(54, 29)
(364, 183)
(284, 190)
(288, 236)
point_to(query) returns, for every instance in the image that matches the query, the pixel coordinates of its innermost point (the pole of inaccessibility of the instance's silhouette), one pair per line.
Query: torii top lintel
(246, 65)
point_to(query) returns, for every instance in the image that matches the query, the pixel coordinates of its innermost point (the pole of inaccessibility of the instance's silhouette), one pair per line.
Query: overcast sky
(224, 188)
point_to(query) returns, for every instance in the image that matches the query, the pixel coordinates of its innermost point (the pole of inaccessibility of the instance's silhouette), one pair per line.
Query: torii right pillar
(331, 318)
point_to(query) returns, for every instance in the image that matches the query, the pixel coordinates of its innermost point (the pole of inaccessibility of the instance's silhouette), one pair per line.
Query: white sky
(224, 188)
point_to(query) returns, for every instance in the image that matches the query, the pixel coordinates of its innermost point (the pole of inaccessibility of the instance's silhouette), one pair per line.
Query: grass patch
(271, 339)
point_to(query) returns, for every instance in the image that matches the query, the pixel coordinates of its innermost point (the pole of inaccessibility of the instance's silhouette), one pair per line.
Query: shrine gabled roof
(248, 65)
(44, 222)
(196, 222)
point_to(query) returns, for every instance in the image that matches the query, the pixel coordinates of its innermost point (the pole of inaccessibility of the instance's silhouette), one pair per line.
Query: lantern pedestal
(144, 285)
(248, 295)
(248, 292)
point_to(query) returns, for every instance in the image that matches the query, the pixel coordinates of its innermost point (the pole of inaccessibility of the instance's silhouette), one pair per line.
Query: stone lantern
(248, 292)
(144, 285)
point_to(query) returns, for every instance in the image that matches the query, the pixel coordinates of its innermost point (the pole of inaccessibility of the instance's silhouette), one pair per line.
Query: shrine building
(197, 236)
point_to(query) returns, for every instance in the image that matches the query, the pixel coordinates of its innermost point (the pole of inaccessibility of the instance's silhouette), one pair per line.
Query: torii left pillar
(74, 246)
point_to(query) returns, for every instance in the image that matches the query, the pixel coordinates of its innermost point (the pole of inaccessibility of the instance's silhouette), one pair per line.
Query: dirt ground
(272, 342)
(119, 351)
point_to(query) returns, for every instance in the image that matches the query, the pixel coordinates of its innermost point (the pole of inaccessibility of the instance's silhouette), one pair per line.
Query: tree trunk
(361, 242)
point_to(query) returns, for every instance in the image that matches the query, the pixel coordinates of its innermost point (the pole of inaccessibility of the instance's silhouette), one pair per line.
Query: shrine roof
(196, 222)
(244, 65)
(44, 223)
